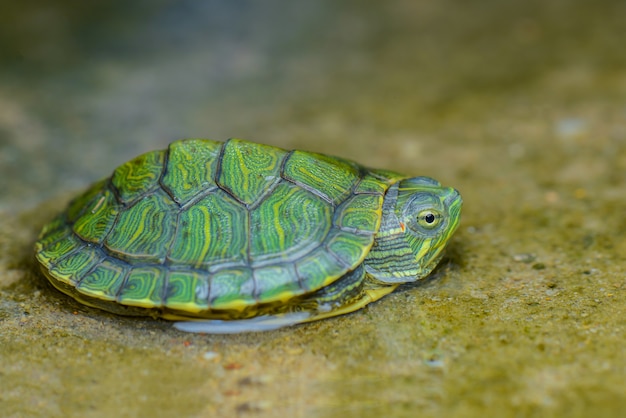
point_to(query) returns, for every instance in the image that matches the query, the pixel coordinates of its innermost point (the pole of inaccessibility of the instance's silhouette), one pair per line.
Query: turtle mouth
(428, 263)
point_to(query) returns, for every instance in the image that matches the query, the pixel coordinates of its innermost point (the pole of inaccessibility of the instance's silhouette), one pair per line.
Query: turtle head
(419, 217)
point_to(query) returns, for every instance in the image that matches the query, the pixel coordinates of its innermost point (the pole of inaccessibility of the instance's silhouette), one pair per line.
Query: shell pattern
(206, 226)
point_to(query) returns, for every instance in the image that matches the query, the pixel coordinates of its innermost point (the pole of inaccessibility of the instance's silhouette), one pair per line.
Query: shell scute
(187, 291)
(360, 213)
(191, 168)
(104, 281)
(212, 231)
(232, 289)
(331, 177)
(77, 206)
(348, 246)
(54, 231)
(137, 176)
(289, 222)
(276, 283)
(144, 230)
(249, 170)
(319, 268)
(144, 287)
(57, 245)
(98, 217)
(72, 267)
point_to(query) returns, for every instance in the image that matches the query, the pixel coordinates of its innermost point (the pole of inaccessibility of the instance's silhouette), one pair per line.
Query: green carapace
(236, 236)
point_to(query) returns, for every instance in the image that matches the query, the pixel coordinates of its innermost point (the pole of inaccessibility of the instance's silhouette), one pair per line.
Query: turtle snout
(453, 198)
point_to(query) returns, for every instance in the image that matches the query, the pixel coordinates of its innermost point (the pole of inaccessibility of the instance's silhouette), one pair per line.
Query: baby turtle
(239, 236)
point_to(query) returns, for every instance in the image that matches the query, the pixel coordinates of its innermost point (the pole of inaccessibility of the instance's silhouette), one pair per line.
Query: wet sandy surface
(519, 106)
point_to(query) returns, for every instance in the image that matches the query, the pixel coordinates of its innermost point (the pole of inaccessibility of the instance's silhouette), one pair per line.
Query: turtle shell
(207, 226)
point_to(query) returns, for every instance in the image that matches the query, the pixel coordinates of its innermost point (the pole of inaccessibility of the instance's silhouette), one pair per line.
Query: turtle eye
(429, 219)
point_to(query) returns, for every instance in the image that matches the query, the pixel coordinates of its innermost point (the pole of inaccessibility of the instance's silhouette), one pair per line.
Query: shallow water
(518, 105)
